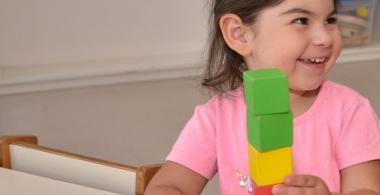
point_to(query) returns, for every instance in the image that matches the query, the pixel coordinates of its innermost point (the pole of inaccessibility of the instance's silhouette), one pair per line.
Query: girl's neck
(301, 101)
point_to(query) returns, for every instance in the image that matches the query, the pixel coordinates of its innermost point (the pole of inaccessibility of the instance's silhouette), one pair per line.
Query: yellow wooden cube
(268, 168)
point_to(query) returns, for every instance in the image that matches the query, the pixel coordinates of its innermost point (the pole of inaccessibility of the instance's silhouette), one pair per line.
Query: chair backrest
(23, 154)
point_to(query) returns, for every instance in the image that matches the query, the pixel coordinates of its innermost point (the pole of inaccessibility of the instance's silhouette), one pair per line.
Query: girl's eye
(302, 21)
(331, 20)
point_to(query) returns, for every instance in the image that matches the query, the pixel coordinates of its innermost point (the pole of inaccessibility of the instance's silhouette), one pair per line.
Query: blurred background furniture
(20, 183)
(22, 153)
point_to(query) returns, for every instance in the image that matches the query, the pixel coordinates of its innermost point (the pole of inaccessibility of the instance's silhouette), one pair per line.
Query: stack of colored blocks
(269, 126)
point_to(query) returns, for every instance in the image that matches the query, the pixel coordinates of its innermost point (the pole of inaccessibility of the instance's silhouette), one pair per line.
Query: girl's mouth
(317, 62)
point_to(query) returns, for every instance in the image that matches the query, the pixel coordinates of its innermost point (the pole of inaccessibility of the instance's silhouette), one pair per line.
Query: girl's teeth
(315, 60)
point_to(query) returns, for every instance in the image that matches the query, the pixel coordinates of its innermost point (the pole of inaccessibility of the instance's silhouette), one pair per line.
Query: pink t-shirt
(339, 130)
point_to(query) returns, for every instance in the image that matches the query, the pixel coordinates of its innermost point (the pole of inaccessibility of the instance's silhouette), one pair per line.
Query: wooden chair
(23, 154)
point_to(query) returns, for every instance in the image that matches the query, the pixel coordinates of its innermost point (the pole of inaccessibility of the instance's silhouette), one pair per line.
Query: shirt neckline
(314, 107)
(308, 113)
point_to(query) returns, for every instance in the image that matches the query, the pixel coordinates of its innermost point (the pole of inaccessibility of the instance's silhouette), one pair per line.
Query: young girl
(336, 133)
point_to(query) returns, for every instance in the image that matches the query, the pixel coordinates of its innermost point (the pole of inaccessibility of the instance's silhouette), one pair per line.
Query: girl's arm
(175, 179)
(361, 179)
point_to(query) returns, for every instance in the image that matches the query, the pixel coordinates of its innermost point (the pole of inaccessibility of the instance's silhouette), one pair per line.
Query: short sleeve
(195, 147)
(359, 140)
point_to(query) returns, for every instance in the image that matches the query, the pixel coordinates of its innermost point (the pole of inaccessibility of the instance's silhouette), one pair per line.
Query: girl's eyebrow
(297, 11)
(304, 11)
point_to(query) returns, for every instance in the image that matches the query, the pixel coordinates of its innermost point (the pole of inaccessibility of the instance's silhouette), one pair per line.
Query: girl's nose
(322, 37)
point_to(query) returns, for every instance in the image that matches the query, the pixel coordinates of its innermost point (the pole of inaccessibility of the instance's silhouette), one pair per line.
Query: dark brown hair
(225, 66)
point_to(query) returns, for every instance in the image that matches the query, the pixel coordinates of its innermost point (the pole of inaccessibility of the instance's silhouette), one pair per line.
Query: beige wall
(125, 122)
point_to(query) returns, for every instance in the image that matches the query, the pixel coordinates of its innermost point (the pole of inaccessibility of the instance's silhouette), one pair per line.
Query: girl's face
(298, 36)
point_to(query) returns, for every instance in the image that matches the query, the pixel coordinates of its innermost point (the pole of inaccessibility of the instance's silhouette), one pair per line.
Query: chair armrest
(144, 175)
(7, 140)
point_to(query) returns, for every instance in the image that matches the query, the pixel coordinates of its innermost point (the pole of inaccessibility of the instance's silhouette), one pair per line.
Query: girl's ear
(236, 34)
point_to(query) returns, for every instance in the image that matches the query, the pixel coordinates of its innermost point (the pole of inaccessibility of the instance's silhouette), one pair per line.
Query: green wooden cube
(269, 132)
(266, 91)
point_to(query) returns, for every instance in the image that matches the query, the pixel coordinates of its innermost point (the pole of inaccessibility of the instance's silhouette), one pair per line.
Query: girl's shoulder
(228, 102)
(334, 87)
(336, 100)
(335, 92)
(231, 97)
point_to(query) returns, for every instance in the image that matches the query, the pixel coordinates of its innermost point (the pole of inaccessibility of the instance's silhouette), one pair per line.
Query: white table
(19, 183)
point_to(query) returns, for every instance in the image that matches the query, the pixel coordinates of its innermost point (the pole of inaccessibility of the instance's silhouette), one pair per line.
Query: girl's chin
(309, 87)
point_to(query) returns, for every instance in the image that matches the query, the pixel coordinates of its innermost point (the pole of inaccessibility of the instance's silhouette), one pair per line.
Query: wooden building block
(268, 168)
(263, 190)
(269, 132)
(266, 91)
